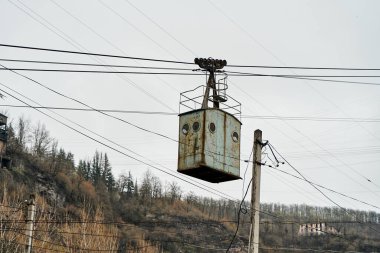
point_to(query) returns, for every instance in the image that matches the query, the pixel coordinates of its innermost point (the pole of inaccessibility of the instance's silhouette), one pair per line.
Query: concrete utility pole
(255, 197)
(31, 206)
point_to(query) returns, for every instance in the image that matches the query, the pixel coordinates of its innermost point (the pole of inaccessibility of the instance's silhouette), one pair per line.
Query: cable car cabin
(209, 145)
(209, 135)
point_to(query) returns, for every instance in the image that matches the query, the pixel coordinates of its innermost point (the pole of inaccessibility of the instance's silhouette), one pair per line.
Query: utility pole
(255, 197)
(29, 223)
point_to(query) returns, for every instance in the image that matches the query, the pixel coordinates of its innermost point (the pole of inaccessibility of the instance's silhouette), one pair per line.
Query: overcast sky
(340, 155)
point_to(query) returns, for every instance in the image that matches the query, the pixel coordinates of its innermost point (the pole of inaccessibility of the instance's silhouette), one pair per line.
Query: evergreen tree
(88, 172)
(130, 185)
(107, 176)
(81, 169)
(136, 191)
(84, 169)
(96, 168)
(70, 159)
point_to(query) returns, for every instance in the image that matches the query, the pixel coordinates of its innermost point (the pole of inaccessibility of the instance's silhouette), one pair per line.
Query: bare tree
(23, 132)
(175, 191)
(146, 186)
(41, 139)
(156, 187)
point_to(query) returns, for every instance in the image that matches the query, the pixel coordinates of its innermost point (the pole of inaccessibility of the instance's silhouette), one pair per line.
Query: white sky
(294, 33)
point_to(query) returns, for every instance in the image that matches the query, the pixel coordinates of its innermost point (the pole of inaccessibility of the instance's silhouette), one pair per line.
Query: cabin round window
(196, 126)
(185, 129)
(235, 136)
(212, 127)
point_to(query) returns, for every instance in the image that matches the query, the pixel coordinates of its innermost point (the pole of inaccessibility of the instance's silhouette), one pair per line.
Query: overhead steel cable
(66, 246)
(305, 78)
(106, 40)
(195, 74)
(303, 67)
(86, 105)
(90, 64)
(94, 54)
(272, 247)
(123, 223)
(106, 114)
(184, 62)
(235, 73)
(115, 149)
(206, 222)
(321, 147)
(313, 185)
(91, 110)
(162, 28)
(327, 197)
(243, 116)
(238, 215)
(75, 44)
(102, 71)
(326, 188)
(216, 192)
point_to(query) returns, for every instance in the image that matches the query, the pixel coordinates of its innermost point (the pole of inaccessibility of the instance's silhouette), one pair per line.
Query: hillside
(85, 208)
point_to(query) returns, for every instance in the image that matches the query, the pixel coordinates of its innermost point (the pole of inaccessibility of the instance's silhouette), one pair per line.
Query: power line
(282, 157)
(103, 110)
(320, 146)
(216, 192)
(93, 54)
(161, 28)
(32, 107)
(67, 246)
(302, 67)
(109, 42)
(90, 64)
(307, 118)
(158, 223)
(106, 114)
(203, 186)
(137, 28)
(191, 63)
(326, 188)
(86, 105)
(301, 77)
(306, 77)
(234, 73)
(103, 71)
(283, 63)
(120, 223)
(72, 42)
(270, 145)
(241, 210)
(243, 116)
(310, 79)
(115, 149)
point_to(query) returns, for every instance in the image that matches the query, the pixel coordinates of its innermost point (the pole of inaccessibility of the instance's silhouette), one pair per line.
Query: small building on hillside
(312, 229)
(4, 159)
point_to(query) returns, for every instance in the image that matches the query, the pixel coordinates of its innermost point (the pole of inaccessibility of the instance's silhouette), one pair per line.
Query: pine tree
(96, 168)
(107, 176)
(136, 191)
(130, 185)
(81, 169)
(88, 171)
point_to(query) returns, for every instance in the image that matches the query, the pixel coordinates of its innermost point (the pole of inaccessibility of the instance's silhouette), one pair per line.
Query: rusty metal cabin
(209, 146)
(209, 137)
(4, 160)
